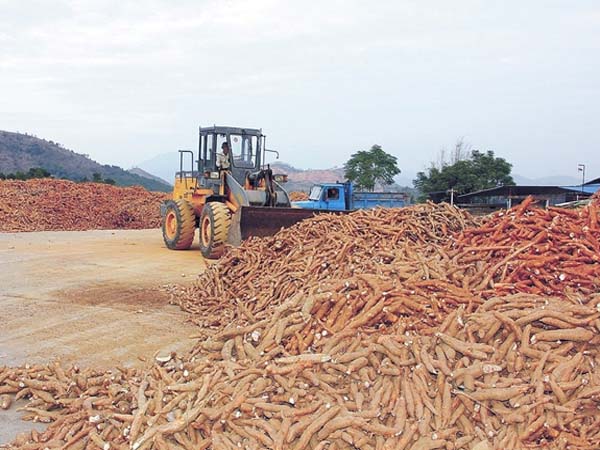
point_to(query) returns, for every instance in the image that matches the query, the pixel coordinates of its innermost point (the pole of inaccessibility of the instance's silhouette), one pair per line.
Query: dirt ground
(91, 298)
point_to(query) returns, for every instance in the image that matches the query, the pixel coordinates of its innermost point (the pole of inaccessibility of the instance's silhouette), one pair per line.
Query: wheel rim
(205, 231)
(171, 224)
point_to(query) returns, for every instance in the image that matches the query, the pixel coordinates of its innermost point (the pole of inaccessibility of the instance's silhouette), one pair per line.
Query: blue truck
(341, 197)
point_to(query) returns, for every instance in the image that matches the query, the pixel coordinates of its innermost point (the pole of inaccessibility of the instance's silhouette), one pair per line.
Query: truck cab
(328, 196)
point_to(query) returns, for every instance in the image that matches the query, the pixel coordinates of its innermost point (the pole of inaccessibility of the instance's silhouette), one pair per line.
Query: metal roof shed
(507, 196)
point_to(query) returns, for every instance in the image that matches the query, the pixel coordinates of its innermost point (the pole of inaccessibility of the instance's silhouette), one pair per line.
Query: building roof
(594, 181)
(520, 190)
(588, 188)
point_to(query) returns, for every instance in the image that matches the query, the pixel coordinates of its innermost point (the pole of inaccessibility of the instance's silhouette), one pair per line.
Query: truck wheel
(178, 224)
(214, 227)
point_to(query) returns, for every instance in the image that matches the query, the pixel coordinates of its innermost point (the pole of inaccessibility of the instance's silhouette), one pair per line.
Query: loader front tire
(214, 227)
(179, 224)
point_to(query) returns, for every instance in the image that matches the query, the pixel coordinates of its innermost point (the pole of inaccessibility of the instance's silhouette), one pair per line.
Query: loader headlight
(211, 175)
(280, 178)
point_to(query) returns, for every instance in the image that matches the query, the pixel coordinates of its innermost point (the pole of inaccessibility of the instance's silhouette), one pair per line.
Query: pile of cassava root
(414, 264)
(59, 205)
(520, 372)
(343, 259)
(374, 340)
(296, 196)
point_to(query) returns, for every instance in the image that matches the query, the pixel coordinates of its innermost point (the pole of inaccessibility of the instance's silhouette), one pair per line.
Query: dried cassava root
(542, 251)
(340, 256)
(474, 379)
(59, 205)
(385, 348)
(424, 260)
(296, 196)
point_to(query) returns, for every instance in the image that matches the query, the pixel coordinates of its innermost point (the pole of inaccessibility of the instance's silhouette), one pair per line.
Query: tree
(475, 172)
(38, 172)
(34, 172)
(367, 168)
(96, 177)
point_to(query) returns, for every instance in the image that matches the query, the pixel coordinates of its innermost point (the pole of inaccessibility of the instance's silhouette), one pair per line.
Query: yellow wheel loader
(229, 194)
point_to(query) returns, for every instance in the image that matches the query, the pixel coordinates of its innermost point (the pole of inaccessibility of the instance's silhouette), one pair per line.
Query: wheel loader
(229, 194)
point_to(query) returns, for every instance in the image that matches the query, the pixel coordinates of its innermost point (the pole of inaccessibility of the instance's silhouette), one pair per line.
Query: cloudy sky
(125, 80)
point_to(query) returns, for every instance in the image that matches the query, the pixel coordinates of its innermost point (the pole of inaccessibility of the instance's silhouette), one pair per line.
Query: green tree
(475, 172)
(367, 168)
(109, 181)
(38, 172)
(34, 172)
(97, 177)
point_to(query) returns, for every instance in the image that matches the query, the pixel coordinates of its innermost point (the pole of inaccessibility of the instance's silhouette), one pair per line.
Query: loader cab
(245, 153)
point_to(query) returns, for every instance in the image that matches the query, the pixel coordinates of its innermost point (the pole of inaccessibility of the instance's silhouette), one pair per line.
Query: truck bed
(384, 199)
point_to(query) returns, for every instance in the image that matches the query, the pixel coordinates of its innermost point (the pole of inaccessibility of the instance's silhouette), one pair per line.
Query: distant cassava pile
(53, 205)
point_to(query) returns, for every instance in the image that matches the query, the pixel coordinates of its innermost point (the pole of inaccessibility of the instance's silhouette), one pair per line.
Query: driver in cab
(223, 161)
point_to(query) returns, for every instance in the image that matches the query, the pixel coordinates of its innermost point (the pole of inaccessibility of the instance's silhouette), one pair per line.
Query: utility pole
(581, 168)
(452, 196)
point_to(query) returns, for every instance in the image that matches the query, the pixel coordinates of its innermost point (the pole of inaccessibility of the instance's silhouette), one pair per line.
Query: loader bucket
(261, 221)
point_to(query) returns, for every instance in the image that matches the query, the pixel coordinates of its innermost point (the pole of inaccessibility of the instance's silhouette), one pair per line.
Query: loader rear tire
(179, 224)
(214, 228)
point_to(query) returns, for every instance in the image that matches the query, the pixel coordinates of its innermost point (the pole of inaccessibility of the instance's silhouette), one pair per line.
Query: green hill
(21, 152)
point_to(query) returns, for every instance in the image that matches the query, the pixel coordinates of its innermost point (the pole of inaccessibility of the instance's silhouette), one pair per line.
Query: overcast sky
(125, 80)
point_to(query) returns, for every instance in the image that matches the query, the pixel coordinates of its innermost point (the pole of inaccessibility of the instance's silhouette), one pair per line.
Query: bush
(34, 172)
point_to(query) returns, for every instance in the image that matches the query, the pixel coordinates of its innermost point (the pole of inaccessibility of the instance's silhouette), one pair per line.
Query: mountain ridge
(145, 174)
(20, 152)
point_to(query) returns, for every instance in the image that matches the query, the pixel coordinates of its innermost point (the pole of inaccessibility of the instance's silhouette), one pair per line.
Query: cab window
(333, 194)
(208, 147)
(315, 193)
(220, 140)
(243, 149)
